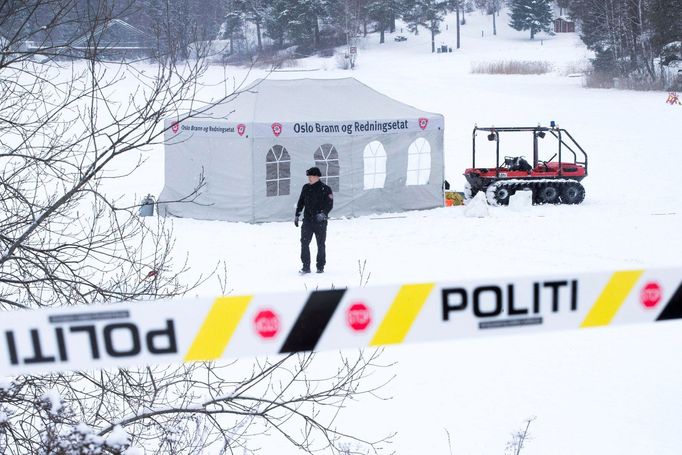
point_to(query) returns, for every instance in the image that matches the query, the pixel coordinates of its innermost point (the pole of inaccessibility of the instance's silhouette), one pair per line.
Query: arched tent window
(327, 159)
(419, 162)
(277, 171)
(375, 165)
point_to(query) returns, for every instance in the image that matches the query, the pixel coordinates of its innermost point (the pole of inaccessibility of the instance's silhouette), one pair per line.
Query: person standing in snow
(315, 202)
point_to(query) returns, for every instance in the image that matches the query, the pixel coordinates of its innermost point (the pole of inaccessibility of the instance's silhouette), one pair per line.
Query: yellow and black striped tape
(269, 324)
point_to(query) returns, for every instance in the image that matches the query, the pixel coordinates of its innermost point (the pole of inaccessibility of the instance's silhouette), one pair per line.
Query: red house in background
(563, 25)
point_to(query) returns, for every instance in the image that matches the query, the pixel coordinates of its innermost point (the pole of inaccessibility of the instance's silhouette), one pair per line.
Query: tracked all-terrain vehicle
(552, 181)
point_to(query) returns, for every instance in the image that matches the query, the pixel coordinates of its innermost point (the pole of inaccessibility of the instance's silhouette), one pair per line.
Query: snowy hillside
(602, 391)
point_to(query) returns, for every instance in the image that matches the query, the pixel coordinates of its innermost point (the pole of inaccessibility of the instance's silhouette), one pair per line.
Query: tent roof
(268, 100)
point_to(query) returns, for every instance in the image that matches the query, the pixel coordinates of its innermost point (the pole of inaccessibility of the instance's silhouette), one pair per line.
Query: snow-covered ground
(598, 391)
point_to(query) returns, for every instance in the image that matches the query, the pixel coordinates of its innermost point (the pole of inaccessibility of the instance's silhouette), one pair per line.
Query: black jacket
(316, 198)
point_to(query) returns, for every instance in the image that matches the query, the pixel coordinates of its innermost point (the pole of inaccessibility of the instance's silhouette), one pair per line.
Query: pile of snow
(521, 201)
(477, 207)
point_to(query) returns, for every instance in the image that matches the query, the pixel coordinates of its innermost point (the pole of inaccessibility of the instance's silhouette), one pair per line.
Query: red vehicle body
(551, 181)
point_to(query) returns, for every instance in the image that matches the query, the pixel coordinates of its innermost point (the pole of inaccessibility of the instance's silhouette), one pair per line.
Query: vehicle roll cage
(538, 132)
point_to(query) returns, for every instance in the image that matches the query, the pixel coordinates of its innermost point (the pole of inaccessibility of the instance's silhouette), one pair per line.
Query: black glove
(296, 221)
(320, 217)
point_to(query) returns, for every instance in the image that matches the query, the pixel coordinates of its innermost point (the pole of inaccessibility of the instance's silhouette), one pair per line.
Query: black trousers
(309, 228)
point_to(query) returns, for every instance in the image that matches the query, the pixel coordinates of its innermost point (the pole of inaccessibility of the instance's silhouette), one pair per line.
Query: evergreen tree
(428, 14)
(233, 26)
(348, 19)
(294, 21)
(383, 14)
(276, 18)
(304, 22)
(665, 18)
(602, 26)
(563, 5)
(626, 35)
(459, 6)
(491, 7)
(434, 14)
(533, 15)
(253, 11)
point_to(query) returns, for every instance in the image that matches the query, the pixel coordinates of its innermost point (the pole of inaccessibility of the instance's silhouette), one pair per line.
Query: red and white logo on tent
(276, 129)
(423, 122)
(241, 129)
(175, 126)
(358, 316)
(651, 294)
(266, 324)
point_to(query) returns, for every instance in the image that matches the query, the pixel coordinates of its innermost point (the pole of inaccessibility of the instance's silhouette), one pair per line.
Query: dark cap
(314, 171)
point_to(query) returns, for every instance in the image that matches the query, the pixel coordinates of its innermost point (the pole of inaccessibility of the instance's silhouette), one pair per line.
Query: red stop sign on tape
(358, 316)
(651, 294)
(266, 324)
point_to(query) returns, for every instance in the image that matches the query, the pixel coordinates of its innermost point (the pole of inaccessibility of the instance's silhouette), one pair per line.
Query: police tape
(145, 333)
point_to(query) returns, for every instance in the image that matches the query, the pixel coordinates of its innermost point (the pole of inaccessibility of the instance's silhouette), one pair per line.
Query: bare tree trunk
(457, 13)
(647, 55)
(317, 33)
(258, 34)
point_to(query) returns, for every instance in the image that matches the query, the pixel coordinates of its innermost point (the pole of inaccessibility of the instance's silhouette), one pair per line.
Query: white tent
(377, 154)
